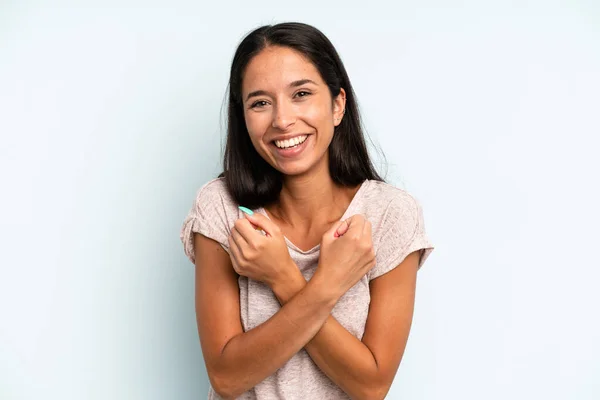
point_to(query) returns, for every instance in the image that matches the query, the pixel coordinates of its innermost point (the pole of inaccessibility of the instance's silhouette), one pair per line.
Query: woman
(306, 260)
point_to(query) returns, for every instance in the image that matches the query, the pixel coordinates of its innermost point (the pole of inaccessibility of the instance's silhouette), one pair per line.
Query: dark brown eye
(260, 103)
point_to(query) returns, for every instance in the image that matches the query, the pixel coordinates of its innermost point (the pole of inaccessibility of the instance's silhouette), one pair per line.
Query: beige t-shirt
(398, 230)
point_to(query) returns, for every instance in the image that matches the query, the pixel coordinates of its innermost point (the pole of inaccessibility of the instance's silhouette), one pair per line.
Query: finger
(234, 254)
(238, 238)
(332, 231)
(245, 229)
(262, 222)
(367, 230)
(342, 228)
(355, 223)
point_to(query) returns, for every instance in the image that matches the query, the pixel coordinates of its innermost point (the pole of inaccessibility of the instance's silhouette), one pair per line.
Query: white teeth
(284, 144)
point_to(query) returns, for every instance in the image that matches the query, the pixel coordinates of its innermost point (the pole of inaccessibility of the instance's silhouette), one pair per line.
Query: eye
(258, 104)
(303, 93)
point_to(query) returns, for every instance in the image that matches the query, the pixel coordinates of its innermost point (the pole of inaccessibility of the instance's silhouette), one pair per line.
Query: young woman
(306, 260)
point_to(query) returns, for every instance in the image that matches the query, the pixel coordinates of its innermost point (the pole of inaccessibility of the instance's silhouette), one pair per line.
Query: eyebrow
(297, 83)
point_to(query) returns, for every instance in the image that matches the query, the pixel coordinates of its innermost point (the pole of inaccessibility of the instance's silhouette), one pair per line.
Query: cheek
(319, 114)
(257, 124)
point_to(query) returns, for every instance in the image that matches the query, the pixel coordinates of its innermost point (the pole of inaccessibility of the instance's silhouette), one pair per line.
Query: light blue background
(110, 121)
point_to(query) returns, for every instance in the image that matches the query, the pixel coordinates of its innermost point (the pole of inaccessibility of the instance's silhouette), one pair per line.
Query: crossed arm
(236, 360)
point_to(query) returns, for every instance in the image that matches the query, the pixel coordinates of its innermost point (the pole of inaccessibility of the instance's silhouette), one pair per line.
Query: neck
(312, 199)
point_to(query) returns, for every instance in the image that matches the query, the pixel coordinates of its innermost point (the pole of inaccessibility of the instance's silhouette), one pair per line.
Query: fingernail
(246, 210)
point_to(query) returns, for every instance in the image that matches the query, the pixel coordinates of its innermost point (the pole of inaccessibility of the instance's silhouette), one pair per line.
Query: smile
(286, 144)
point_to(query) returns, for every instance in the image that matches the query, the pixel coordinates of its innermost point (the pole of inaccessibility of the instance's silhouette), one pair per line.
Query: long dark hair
(251, 181)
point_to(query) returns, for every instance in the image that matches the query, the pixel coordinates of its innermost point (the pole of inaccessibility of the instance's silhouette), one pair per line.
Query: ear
(339, 107)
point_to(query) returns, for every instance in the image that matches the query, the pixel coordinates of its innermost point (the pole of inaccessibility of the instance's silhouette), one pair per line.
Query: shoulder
(213, 190)
(212, 214)
(214, 203)
(214, 196)
(398, 226)
(385, 202)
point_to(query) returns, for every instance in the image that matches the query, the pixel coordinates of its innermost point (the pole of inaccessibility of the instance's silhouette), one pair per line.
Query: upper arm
(390, 316)
(217, 299)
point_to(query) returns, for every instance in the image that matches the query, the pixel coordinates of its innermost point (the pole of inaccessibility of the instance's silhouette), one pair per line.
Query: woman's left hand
(263, 258)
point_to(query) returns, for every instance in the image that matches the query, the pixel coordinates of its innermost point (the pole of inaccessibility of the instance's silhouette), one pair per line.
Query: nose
(283, 116)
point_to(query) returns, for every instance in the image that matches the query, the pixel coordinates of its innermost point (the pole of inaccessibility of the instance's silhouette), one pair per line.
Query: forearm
(340, 355)
(249, 358)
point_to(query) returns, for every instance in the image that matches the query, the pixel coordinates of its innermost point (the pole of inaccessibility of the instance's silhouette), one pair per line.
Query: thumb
(261, 222)
(331, 232)
(341, 228)
(355, 222)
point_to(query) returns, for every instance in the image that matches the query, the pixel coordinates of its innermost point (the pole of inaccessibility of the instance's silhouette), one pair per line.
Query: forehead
(276, 67)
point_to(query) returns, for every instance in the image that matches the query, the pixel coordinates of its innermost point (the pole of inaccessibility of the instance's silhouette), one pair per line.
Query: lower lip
(292, 151)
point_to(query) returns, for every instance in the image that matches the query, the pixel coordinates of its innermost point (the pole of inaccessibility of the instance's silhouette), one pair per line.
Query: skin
(308, 213)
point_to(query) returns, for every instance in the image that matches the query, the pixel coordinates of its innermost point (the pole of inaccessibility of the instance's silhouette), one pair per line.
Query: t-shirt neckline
(346, 215)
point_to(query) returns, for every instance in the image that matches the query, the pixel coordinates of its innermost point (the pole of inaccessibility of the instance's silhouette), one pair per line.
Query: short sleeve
(209, 216)
(401, 232)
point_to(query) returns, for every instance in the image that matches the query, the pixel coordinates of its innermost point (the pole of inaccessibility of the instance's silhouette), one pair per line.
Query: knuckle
(239, 267)
(366, 247)
(372, 254)
(250, 255)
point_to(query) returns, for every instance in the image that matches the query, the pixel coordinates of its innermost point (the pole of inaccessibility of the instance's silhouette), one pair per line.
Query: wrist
(327, 291)
(289, 284)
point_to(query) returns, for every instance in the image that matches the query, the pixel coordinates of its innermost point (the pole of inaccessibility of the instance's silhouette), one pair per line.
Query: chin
(295, 170)
(299, 168)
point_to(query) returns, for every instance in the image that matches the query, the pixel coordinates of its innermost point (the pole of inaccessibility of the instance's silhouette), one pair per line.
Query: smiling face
(288, 109)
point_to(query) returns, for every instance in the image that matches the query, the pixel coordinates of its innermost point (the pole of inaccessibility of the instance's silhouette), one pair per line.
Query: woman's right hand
(346, 254)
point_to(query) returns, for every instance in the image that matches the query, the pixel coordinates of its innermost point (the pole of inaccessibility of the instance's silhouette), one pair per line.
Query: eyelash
(258, 103)
(304, 91)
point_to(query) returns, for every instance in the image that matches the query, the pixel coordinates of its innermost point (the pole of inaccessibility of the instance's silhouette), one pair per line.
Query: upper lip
(288, 137)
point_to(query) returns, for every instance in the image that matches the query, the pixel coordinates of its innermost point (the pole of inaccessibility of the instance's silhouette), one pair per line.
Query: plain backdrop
(111, 118)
